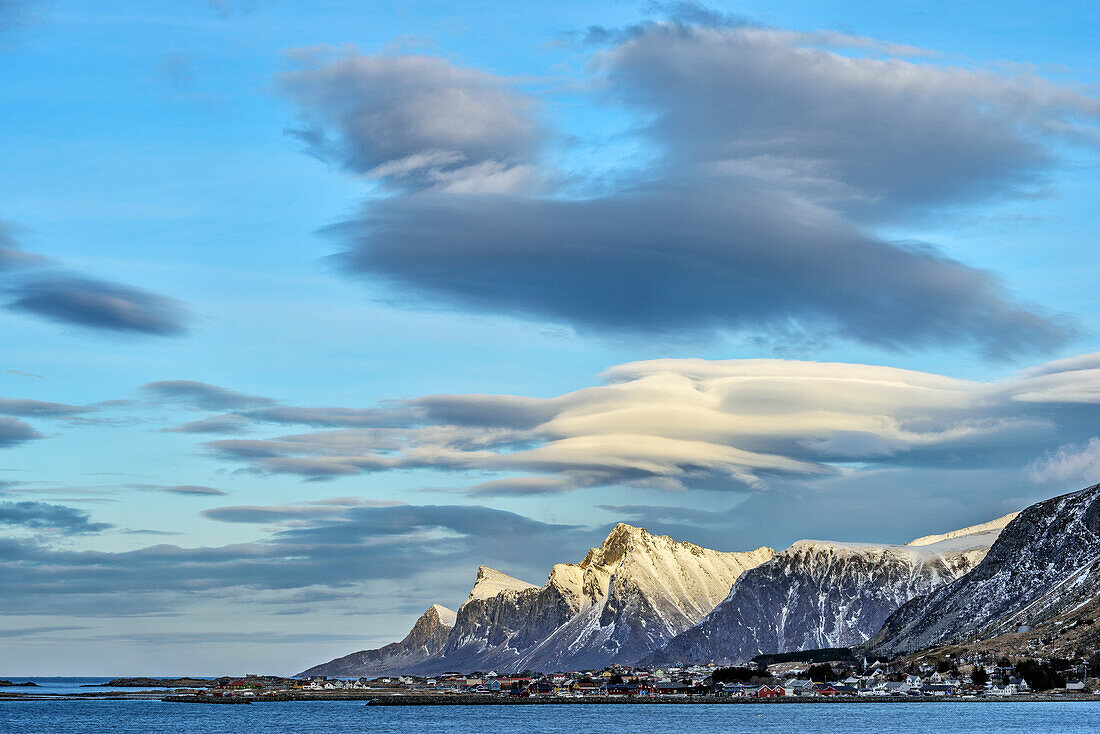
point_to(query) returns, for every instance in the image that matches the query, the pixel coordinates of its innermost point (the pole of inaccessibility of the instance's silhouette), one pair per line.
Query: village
(876, 679)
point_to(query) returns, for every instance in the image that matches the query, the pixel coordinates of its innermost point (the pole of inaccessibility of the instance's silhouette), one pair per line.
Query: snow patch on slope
(998, 525)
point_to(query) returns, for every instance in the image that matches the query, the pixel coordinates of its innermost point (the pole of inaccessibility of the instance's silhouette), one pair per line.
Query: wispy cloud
(341, 546)
(43, 516)
(39, 409)
(14, 13)
(221, 424)
(203, 395)
(101, 305)
(188, 490)
(1074, 463)
(12, 257)
(77, 300)
(14, 431)
(417, 122)
(20, 632)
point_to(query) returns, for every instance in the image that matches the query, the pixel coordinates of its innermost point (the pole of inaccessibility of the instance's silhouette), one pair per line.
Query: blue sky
(538, 266)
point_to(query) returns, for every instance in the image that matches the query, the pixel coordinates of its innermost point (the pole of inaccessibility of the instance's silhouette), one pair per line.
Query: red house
(770, 691)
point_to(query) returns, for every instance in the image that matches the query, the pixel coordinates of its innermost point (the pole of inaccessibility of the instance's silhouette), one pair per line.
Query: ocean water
(60, 686)
(313, 717)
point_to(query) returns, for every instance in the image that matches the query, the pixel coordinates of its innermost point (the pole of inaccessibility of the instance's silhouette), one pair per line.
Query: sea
(62, 686)
(59, 716)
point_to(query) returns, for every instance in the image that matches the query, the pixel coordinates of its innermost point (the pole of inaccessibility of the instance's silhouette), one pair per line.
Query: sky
(308, 309)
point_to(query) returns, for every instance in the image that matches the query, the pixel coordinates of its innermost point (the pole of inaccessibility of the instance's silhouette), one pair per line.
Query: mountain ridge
(1039, 578)
(640, 596)
(624, 597)
(427, 637)
(819, 594)
(635, 589)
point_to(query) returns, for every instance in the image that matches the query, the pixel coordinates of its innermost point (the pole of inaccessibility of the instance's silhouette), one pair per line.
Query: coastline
(476, 700)
(391, 700)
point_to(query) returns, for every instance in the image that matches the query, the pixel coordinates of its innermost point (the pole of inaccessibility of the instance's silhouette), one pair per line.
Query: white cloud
(1072, 464)
(679, 423)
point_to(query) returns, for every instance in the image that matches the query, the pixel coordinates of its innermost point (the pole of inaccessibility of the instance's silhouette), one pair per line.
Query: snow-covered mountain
(427, 637)
(1043, 573)
(819, 594)
(640, 596)
(624, 599)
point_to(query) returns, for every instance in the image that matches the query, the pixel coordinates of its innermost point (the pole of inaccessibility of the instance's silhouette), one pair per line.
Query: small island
(155, 683)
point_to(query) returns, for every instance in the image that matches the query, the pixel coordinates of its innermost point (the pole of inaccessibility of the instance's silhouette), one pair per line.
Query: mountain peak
(622, 533)
(617, 544)
(491, 582)
(624, 527)
(445, 616)
(432, 626)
